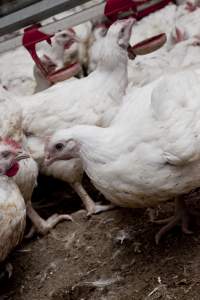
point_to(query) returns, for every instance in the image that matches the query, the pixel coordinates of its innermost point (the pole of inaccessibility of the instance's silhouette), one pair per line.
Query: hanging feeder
(32, 36)
(147, 46)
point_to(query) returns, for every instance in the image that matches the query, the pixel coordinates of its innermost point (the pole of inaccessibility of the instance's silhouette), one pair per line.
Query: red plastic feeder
(32, 36)
(120, 9)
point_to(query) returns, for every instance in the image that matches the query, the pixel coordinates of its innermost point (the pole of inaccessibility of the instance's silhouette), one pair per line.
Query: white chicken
(53, 57)
(26, 178)
(17, 72)
(91, 100)
(186, 26)
(12, 206)
(154, 24)
(151, 151)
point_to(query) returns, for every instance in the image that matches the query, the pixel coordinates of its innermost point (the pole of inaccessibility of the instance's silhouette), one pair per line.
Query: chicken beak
(22, 155)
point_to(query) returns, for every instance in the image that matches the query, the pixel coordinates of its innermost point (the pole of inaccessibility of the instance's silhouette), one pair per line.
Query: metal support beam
(10, 6)
(35, 13)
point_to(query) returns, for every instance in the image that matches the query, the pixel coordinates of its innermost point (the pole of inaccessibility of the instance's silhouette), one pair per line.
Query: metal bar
(10, 6)
(69, 21)
(35, 13)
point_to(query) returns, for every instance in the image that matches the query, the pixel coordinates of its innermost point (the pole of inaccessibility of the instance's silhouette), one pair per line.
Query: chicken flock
(131, 125)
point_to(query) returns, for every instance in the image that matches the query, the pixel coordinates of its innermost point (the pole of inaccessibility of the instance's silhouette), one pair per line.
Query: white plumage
(151, 151)
(11, 127)
(189, 24)
(155, 23)
(53, 57)
(17, 72)
(12, 206)
(145, 69)
(94, 52)
(181, 28)
(26, 177)
(92, 100)
(12, 216)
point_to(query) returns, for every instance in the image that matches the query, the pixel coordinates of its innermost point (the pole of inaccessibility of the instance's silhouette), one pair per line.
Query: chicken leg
(40, 225)
(90, 205)
(181, 216)
(6, 271)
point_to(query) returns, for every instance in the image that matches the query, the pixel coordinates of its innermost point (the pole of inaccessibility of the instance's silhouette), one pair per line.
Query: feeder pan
(147, 46)
(138, 9)
(32, 36)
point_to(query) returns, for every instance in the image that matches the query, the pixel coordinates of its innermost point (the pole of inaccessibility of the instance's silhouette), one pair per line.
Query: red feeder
(32, 36)
(120, 9)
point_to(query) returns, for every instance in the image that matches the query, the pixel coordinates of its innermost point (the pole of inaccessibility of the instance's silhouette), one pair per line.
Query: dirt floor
(111, 256)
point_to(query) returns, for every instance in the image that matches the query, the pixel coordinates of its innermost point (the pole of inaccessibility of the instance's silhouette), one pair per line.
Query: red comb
(12, 143)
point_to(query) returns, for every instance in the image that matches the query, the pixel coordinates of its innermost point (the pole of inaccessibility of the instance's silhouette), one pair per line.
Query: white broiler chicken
(12, 206)
(17, 72)
(53, 57)
(26, 178)
(78, 51)
(154, 24)
(92, 100)
(151, 151)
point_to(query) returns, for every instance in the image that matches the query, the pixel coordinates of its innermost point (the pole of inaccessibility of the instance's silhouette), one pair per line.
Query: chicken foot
(40, 225)
(90, 205)
(181, 216)
(6, 271)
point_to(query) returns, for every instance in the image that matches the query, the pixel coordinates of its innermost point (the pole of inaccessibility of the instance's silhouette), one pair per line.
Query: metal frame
(35, 13)
(10, 6)
(94, 11)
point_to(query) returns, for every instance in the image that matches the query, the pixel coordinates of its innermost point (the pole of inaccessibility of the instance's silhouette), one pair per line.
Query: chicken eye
(122, 30)
(64, 35)
(59, 146)
(5, 154)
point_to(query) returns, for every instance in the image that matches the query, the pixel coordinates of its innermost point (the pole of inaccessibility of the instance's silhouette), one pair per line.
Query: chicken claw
(87, 201)
(181, 216)
(43, 226)
(90, 206)
(6, 272)
(101, 208)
